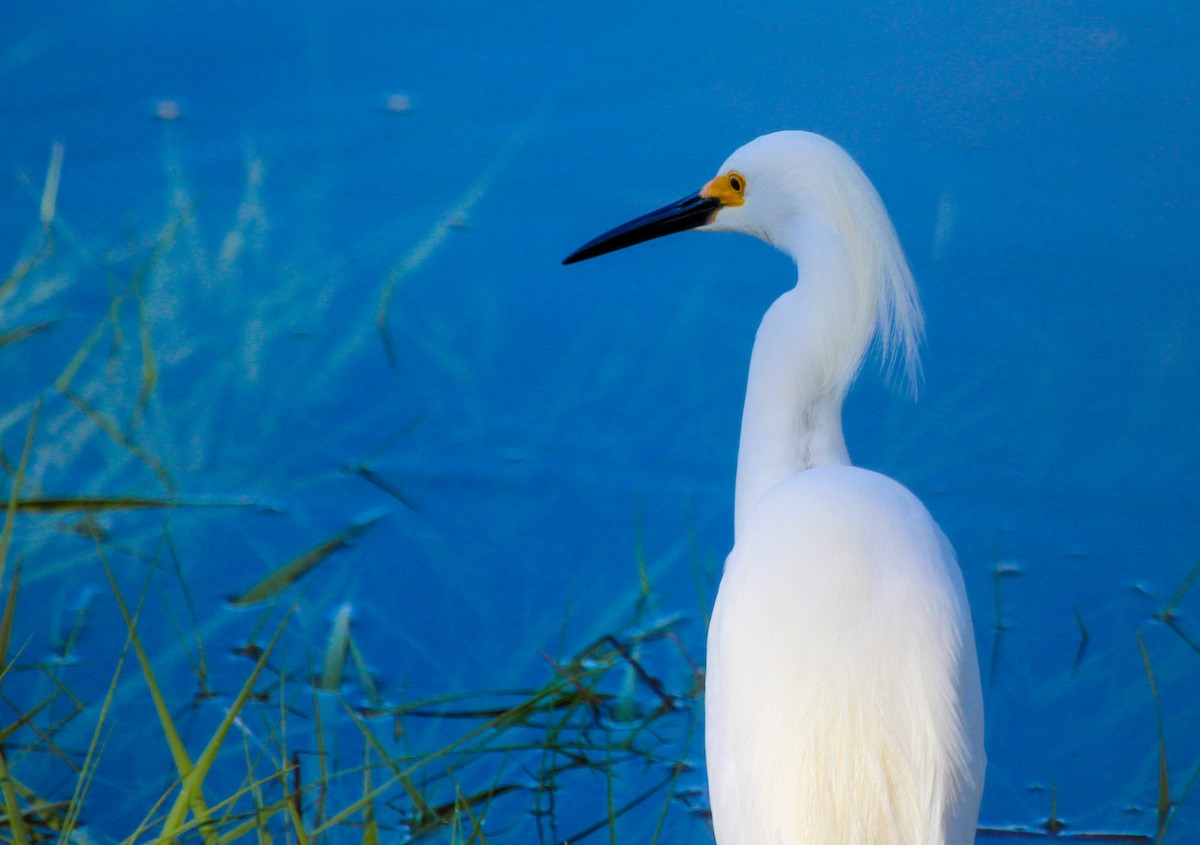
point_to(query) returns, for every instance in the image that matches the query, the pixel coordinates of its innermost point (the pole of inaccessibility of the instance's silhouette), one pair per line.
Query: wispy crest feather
(899, 320)
(874, 245)
(814, 177)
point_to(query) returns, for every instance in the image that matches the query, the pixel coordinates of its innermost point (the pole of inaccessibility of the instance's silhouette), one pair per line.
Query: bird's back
(843, 702)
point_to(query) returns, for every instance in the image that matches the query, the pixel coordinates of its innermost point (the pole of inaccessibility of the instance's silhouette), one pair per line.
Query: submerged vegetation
(168, 675)
(160, 707)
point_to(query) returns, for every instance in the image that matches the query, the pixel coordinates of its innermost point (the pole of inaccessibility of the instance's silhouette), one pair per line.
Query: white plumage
(843, 702)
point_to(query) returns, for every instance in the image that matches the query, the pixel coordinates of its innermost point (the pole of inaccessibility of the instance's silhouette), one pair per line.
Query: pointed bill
(688, 213)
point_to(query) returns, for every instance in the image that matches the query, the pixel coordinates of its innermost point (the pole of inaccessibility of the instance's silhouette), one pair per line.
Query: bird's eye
(737, 182)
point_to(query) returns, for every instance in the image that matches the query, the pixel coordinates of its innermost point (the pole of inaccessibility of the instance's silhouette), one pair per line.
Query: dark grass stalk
(1173, 624)
(1167, 614)
(97, 504)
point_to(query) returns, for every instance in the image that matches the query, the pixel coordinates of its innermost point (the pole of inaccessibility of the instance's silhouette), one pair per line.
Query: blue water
(1038, 160)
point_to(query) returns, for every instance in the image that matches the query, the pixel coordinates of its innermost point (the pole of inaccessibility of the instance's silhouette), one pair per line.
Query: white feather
(843, 696)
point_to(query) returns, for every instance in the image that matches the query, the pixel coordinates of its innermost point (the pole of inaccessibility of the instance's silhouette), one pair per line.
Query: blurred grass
(290, 740)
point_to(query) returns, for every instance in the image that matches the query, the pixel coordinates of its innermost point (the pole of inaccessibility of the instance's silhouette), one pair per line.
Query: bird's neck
(806, 353)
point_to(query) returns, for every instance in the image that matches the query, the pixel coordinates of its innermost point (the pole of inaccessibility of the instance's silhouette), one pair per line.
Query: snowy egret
(843, 702)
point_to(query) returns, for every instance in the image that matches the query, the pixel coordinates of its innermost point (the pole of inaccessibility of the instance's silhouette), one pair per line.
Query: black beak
(687, 213)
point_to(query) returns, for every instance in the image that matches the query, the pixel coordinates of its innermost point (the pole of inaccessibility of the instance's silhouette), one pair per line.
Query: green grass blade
(6, 621)
(227, 806)
(235, 834)
(420, 807)
(209, 827)
(609, 800)
(10, 513)
(463, 804)
(23, 268)
(162, 245)
(297, 823)
(21, 332)
(645, 589)
(370, 827)
(256, 796)
(26, 718)
(183, 763)
(16, 818)
(506, 719)
(1187, 788)
(190, 790)
(50, 188)
(149, 366)
(442, 228)
(335, 651)
(680, 768)
(286, 575)
(1164, 785)
(91, 760)
(322, 761)
(120, 438)
(63, 382)
(364, 674)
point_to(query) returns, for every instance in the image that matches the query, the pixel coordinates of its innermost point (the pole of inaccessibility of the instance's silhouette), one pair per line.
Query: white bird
(843, 703)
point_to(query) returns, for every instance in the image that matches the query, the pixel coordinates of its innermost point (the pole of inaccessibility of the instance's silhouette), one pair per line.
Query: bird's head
(788, 187)
(761, 190)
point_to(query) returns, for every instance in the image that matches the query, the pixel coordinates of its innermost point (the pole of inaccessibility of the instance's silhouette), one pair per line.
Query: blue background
(1039, 162)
